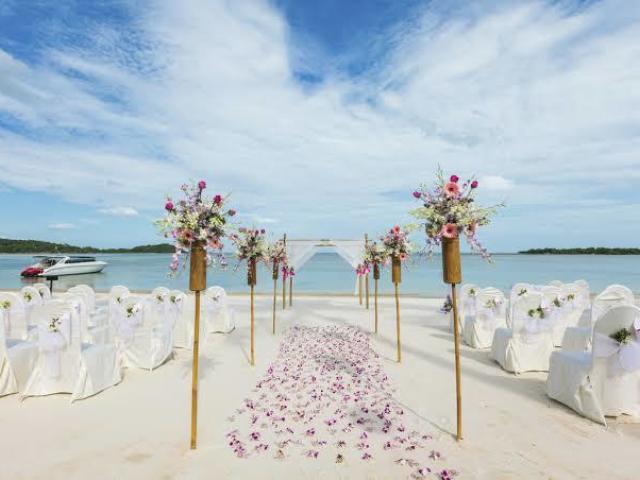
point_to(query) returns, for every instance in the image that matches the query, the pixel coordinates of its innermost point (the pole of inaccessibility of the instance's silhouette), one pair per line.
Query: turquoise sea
(326, 272)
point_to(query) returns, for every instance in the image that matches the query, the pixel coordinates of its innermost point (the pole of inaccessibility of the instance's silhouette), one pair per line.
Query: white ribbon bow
(628, 353)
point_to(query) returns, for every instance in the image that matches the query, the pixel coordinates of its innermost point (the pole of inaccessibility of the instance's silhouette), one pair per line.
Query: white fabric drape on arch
(301, 251)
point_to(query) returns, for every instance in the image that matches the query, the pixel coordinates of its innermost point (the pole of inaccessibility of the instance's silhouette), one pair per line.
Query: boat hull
(74, 269)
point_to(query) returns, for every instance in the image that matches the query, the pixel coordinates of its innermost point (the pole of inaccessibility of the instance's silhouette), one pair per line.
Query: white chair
(578, 339)
(562, 313)
(466, 305)
(556, 283)
(30, 298)
(145, 339)
(43, 290)
(490, 308)
(65, 364)
(528, 343)
(17, 359)
(182, 319)
(14, 316)
(218, 313)
(606, 381)
(518, 290)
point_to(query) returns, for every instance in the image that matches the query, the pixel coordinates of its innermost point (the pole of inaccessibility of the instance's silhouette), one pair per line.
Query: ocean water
(326, 272)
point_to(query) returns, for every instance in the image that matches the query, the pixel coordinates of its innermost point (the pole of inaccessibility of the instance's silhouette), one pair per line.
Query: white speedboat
(63, 265)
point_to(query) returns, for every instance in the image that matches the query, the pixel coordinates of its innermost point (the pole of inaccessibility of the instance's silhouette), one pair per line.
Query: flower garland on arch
(449, 210)
(196, 218)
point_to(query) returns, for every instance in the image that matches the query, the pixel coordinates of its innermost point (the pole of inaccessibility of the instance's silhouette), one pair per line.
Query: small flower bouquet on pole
(197, 224)
(277, 257)
(397, 247)
(375, 256)
(448, 211)
(252, 247)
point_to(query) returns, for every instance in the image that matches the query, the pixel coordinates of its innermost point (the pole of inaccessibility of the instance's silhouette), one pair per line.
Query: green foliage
(582, 251)
(37, 246)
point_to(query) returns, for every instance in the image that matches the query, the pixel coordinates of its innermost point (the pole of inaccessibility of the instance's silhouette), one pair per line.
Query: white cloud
(120, 211)
(547, 99)
(62, 226)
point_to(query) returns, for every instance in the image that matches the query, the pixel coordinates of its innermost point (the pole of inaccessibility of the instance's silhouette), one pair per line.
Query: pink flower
(474, 184)
(396, 229)
(217, 199)
(449, 230)
(454, 179)
(417, 194)
(169, 206)
(451, 189)
(202, 184)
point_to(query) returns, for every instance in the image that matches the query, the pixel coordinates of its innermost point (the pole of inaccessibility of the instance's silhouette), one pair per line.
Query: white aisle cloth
(605, 381)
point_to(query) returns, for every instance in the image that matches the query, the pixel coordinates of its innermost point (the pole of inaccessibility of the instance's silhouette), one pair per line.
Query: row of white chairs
(77, 344)
(592, 373)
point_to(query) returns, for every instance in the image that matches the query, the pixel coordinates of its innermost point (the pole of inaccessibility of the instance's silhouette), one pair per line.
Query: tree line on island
(37, 246)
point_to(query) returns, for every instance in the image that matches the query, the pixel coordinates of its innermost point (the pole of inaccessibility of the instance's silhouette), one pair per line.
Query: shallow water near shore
(327, 273)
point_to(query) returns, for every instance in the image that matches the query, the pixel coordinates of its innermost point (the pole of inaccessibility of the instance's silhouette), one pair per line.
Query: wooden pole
(456, 338)
(253, 354)
(366, 278)
(284, 278)
(291, 291)
(275, 288)
(194, 375)
(360, 289)
(375, 303)
(398, 348)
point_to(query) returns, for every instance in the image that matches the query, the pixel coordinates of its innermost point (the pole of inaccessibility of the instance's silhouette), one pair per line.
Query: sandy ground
(140, 428)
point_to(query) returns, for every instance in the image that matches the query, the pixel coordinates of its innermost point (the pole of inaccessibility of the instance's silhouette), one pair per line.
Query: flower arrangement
(362, 269)
(449, 210)
(571, 297)
(5, 304)
(557, 302)
(536, 312)
(472, 292)
(492, 304)
(523, 291)
(251, 245)
(375, 254)
(132, 310)
(160, 298)
(54, 324)
(622, 336)
(396, 243)
(196, 219)
(288, 272)
(277, 252)
(173, 299)
(27, 296)
(447, 306)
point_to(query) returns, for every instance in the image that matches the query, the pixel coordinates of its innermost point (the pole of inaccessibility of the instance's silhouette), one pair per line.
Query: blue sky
(320, 117)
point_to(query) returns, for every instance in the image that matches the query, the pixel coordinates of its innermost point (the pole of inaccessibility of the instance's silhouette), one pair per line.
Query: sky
(319, 118)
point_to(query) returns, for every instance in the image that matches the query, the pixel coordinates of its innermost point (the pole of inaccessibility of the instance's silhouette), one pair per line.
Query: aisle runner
(327, 394)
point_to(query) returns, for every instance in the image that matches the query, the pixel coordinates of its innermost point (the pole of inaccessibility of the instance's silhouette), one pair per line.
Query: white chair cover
(606, 381)
(148, 339)
(490, 308)
(17, 359)
(181, 316)
(43, 290)
(466, 306)
(527, 345)
(15, 320)
(578, 338)
(518, 290)
(31, 298)
(563, 313)
(218, 313)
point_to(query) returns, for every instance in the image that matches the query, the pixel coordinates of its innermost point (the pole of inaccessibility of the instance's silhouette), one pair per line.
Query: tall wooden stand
(284, 279)
(366, 278)
(452, 274)
(396, 278)
(376, 277)
(197, 283)
(360, 289)
(291, 291)
(275, 290)
(251, 280)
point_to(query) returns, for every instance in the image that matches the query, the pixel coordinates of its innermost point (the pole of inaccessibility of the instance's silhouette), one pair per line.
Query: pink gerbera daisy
(449, 230)
(451, 189)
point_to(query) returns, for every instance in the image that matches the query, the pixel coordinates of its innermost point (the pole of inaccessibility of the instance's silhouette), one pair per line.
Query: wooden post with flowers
(277, 256)
(284, 277)
(366, 278)
(292, 273)
(448, 211)
(195, 237)
(376, 277)
(396, 278)
(374, 255)
(275, 290)
(251, 247)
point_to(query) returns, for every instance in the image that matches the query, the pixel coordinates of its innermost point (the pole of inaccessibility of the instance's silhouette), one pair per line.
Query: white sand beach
(140, 428)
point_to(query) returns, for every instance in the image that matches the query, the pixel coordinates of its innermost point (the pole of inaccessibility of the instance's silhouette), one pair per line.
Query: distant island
(582, 251)
(37, 246)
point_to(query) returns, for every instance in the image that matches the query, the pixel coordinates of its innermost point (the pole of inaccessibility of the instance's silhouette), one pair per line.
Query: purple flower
(474, 184)
(202, 184)
(417, 194)
(217, 199)
(169, 206)
(454, 179)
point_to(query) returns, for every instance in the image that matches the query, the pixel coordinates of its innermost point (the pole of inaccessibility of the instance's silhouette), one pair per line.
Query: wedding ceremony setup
(326, 385)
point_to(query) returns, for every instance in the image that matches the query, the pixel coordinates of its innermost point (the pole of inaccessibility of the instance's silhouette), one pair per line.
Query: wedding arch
(300, 252)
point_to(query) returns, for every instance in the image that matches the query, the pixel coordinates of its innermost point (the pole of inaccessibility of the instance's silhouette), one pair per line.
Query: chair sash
(52, 343)
(627, 355)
